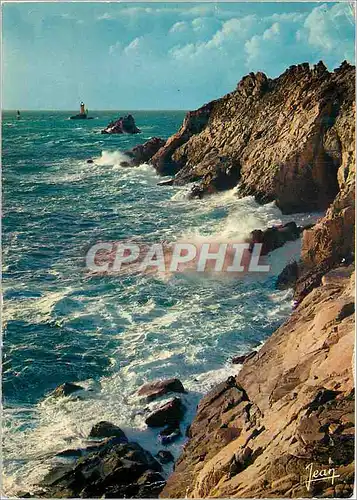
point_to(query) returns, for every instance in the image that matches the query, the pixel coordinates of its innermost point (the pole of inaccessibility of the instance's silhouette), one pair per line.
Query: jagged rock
(150, 485)
(216, 173)
(124, 125)
(238, 360)
(105, 429)
(123, 470)
(274, 237)
(66, 389)
(165, 456)
(282, 139)
(309, 278)
(194, 123)
(142, 153)
(169, 413)
(153, 390)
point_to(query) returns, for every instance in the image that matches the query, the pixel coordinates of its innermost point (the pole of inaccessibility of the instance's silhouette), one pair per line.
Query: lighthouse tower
(82, 110)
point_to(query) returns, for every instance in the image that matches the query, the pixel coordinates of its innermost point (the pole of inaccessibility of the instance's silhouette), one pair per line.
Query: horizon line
(132, 110)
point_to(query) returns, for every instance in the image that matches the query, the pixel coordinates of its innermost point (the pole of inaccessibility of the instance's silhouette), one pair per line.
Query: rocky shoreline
(292, 404)
(291, 140)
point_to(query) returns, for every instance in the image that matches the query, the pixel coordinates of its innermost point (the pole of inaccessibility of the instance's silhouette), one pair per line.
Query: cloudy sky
(159, 55)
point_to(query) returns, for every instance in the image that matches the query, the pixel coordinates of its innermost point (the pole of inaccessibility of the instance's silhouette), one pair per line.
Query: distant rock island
(124, 125)
(82, 115)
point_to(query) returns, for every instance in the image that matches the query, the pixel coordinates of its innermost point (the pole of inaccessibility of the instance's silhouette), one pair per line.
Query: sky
(159, 55)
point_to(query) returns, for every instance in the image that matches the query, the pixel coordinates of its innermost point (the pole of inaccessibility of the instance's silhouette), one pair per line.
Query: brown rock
(284, 406)
(289, 139)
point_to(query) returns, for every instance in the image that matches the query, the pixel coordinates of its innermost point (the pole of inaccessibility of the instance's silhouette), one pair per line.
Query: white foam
(193, 338)
(111, 158)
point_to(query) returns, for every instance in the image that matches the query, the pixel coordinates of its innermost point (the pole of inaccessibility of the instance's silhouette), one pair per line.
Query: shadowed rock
(154, 390)
(124, 125)
(66, 389)
(238, 360)
(288, 276)
(169, 413)
(106, 429)
(165, 456)
(274, 237)
(144, 152)
(123, 470)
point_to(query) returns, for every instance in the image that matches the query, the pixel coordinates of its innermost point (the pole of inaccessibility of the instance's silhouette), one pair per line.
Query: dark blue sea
(110, 334)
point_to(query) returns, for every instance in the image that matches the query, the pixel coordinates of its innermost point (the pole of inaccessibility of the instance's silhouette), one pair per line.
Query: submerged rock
(66, 389)
(153, 390)
(171, 433)
(169, 413)
(165, 456)
(124, 125)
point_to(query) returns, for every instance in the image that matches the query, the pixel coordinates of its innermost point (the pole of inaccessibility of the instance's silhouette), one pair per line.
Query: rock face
(124, 125)
(283, 139)
(194, 123)
(292, 404)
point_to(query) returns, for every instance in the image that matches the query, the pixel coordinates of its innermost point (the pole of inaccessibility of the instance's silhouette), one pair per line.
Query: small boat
(83, 114)
(18, 115)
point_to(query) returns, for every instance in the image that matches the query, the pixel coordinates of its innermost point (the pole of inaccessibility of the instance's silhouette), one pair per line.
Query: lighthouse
(83, 113)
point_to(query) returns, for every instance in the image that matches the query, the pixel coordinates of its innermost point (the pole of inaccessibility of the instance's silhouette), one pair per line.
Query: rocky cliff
(288, 416)
(292, 404)
(279, 139)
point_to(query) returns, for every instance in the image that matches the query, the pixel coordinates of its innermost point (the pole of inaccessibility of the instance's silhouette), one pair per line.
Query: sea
(111, 334)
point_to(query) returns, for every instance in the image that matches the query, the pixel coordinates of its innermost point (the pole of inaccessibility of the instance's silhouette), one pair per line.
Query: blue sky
(159, 55)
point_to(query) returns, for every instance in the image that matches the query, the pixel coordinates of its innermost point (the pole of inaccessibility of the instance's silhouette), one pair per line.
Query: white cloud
(326, 26)
(105, 16)
(272, 32)
(134, 47)
(117, 47)
(178, 27)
